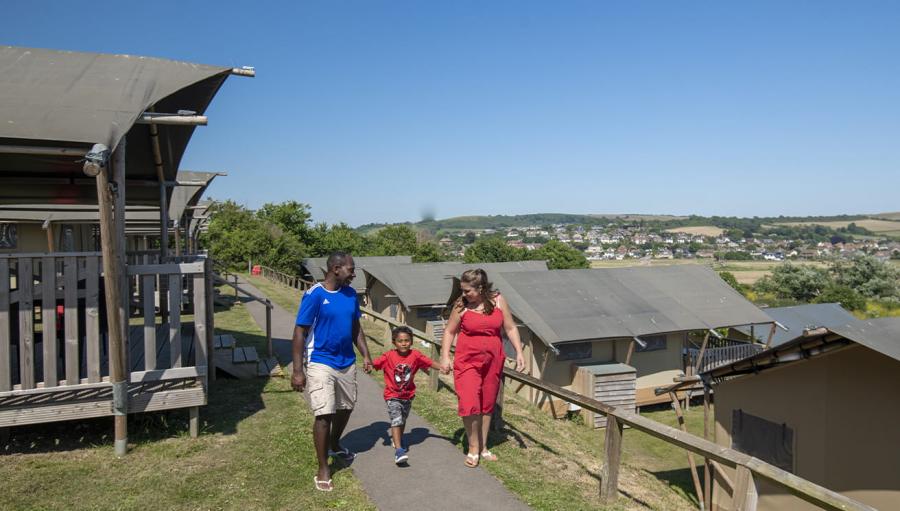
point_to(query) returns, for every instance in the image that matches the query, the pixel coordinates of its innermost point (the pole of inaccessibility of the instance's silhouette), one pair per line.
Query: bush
(844, 295)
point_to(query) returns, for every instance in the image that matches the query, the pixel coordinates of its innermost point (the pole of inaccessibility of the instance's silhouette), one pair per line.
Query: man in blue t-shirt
(326, 329)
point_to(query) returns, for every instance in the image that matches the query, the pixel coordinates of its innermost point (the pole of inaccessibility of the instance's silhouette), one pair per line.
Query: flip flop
(323, 485)
(489, 456)
(471, 460)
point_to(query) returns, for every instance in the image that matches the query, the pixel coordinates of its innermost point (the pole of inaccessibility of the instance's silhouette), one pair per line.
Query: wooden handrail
(801, 488)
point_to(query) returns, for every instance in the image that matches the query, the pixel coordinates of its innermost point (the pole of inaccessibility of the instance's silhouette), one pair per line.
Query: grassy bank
(254, 452)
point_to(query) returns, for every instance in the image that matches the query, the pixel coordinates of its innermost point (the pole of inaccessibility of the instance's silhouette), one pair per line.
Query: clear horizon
(390, 111)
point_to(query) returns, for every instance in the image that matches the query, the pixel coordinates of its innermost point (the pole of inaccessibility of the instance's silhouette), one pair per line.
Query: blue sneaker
(400, 456)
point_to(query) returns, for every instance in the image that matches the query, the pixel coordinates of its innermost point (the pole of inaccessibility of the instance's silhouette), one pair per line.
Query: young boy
(400, 366)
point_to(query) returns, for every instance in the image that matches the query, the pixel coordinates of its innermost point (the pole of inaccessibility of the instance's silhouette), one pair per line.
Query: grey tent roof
(187, 195)
(881, 335)
(798, 318)
(72, 99)
(315, 266)
(425, 284)
(574, 305)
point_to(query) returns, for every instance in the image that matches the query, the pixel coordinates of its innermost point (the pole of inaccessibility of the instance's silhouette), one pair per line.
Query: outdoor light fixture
(95, 159)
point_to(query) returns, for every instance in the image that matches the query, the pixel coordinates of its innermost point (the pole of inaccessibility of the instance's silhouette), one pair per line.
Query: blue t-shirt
(330, 316)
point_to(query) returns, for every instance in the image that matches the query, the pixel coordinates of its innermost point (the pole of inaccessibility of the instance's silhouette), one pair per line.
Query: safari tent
(98, 138)
(648, 318)
(822, 406)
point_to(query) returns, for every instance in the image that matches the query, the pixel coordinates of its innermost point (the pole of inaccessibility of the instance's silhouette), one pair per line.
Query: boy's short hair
(403, 329)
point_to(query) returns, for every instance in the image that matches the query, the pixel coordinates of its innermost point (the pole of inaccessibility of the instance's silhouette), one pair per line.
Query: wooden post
(771, 334)
(691, 463)
(194, 421)
(699, 363)
(269, 327)
(51, 246)
(609, 474)
(210, 321)
(434, 372)
(745, 494)
(112, 278)
(707, 468)
(630, 352)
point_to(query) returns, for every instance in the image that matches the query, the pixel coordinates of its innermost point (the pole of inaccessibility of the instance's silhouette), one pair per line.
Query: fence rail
(285, 279)
(715, 357)
(744, 494)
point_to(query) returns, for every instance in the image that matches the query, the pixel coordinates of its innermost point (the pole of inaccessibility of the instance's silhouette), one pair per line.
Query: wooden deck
(54, 354)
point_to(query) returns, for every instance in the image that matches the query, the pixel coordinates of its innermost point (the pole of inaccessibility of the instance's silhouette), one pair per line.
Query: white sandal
(488, 455)
(471, 460)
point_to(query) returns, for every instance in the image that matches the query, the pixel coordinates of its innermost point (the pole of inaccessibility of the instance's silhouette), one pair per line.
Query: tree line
(281, 235)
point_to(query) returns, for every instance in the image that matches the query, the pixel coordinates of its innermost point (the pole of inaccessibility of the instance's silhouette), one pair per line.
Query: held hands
(298, 381)
(445, 365)
(520, 362)
(367, 365)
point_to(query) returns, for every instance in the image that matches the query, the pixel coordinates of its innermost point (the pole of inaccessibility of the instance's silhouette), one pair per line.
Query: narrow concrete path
(435, 478)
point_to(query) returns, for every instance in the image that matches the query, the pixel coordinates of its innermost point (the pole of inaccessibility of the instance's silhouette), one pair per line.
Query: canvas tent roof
(188, 195)
(577, 305)
(425, 284)
(798, 318)
(315, 266)
(51, 98)
(881, 335)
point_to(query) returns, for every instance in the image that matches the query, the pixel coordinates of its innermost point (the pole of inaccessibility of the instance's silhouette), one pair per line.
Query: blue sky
(381, 111)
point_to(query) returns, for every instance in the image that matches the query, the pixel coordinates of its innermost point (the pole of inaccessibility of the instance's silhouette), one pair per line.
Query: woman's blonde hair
(478, 279)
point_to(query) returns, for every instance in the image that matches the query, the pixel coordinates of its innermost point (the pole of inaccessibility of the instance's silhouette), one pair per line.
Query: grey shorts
(398, 410)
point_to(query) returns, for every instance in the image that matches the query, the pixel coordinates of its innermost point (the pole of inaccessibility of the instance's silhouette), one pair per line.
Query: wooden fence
(54, 354)
(285, 279)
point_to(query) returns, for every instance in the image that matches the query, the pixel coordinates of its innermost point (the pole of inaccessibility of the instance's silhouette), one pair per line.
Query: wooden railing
(53, 339)
(743, 489)
(285, 279)
(715, 357)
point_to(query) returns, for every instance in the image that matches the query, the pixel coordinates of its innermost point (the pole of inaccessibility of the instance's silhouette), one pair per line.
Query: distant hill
(882, 223)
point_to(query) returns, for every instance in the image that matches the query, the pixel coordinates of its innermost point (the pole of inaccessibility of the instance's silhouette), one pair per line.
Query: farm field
(702, 230)
(886, 227)
(888, 216)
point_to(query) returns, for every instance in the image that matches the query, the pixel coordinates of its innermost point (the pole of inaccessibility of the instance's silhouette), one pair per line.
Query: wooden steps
(242, 362)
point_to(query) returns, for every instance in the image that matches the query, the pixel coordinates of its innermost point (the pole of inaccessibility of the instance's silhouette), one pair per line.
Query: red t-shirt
(400, 371)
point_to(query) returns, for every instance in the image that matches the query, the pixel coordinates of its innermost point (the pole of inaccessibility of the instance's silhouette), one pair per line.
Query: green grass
(254, 452)
(286, 297)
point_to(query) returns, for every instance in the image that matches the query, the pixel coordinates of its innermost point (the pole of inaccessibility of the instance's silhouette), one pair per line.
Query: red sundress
(478, 364)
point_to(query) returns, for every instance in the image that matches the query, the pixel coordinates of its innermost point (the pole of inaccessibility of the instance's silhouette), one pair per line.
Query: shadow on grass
(681, 479)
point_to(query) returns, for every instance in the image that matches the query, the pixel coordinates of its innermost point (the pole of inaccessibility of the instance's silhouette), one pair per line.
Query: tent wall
(844, 413)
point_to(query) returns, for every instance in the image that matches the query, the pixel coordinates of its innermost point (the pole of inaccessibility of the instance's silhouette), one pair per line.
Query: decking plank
(70, 275)
(25, 283)
(48, 320)
(92, 318)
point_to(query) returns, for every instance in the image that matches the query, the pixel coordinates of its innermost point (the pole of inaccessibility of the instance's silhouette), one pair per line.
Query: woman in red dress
(476, 321)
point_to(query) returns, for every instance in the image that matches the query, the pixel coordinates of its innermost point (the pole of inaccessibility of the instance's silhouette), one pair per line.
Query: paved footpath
(435, 479)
